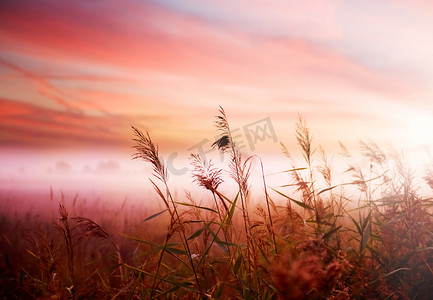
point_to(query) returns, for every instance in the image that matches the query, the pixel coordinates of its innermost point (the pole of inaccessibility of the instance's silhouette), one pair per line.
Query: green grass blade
(154, 215)
(365, 237)
(328, 189)
(139, 240)
(196, 206)
(198, 232)
(356, 224)
(227, 219)
(237, 264)
(330, 232)
(184, 285)
(301, 204)
(366, 221)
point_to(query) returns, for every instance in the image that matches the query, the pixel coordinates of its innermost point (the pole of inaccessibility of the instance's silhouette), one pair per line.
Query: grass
(318, 241)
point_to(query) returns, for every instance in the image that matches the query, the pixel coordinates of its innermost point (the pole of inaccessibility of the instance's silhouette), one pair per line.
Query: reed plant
(367, 236)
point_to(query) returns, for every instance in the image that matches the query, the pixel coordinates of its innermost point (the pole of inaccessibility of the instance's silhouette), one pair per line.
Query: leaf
(295, 184)
(272, 203)
(224, 243)
(331, 232)
(227, 217)
(356, 224)
(366, 221)
(398, 270)
(237, 265)
(247, 293)
(396, 218)
(217, 240)
(327, 189)
(424, 249)
(176, 251)
(107, 288)
(294, 170)
(167, 247)
(296, 201)
(185, 285)
(428, 266)
(174, 288)
(198, 232)
(158, 191)
(365, 237)
(154, 215)
(139, 240)
(194, 221)
(232, 210)
(222, 196)
(218, 291)
(196, 206)
(34, 255)
(254, 226)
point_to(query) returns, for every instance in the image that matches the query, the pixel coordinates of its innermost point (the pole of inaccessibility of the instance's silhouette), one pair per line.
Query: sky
(75, 75)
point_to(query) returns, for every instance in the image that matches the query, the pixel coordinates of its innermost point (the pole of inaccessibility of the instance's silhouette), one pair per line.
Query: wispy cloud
(30, 125)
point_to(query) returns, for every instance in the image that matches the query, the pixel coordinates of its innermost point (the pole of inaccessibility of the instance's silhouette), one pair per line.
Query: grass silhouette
(316, 242)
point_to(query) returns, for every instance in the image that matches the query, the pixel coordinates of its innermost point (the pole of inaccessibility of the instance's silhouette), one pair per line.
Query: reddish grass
(314, 242)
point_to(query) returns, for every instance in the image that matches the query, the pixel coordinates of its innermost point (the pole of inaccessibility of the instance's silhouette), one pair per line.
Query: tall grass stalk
(369, 236)
(67, 233)
(268, 200)
(240, 172)
(147, 151)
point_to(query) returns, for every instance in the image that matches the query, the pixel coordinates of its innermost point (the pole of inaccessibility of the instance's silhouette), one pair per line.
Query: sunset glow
(76, 76)
(216, 149)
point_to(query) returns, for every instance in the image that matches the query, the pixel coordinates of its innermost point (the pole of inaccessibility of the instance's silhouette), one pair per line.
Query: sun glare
(417, 129)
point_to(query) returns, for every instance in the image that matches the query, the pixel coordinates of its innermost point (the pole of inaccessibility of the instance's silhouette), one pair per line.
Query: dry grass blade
(285, 151)
(147, 151)
(67, 233)
(268, 201)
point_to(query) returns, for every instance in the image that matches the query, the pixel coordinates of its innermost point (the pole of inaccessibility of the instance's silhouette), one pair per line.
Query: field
(368, 238)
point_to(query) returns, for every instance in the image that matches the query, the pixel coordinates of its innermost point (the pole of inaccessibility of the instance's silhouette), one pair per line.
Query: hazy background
(75, 75)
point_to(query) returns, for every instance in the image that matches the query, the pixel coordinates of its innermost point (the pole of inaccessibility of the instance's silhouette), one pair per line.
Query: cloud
(192, 41)
(44, 87)
(26, 124)
(307, 20)
(102, 66)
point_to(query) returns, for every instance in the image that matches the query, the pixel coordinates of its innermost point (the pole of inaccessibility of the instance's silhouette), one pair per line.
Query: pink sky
(75, 75)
